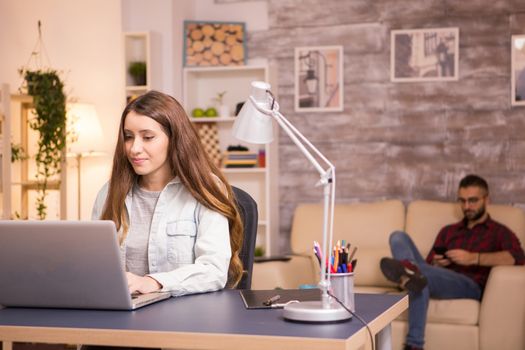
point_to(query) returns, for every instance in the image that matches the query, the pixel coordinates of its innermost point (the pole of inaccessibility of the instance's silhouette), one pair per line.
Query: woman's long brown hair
(188, 161)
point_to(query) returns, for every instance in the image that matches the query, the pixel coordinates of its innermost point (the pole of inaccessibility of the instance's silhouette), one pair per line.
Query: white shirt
(189, 244)
(142, 209)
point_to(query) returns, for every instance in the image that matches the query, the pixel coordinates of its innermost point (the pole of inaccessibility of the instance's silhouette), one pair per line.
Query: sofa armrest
(502, 314)
(284, 274)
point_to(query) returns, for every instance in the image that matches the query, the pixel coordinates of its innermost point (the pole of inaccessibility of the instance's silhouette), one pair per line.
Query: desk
(204, 321)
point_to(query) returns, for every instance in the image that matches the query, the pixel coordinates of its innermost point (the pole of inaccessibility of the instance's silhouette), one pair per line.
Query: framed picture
(214, 43)
(424, 55)
(318, 79)
(518, 70)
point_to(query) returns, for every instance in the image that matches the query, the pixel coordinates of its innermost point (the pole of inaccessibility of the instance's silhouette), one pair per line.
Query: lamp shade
(85, 128)
(252, 125)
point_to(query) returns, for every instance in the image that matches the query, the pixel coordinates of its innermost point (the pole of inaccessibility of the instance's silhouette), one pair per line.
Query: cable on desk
(356, 316)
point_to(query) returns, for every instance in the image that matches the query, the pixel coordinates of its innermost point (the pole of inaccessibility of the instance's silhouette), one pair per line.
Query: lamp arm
(328, 182)
(306, 141)
(298, 138)
(305, 147)
(261, 109)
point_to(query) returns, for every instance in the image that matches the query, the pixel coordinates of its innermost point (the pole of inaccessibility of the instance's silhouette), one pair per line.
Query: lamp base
(314, 311)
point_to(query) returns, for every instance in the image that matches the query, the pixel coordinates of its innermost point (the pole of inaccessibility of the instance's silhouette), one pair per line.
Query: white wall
(155, 17)
(253, 13)
(83, 40)
(165, 19)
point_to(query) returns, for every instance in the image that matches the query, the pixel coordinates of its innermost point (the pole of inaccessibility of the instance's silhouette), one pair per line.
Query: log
(231, 40)
(217, 48)
(208, 30)
(225, 59)
(196, 34)
(213, 44)
(208, 55)
(207, 42)
(219, 35)
(237, 52)
(197, 46)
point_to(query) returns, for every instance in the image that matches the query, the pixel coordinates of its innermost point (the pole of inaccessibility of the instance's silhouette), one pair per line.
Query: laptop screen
(63, 264)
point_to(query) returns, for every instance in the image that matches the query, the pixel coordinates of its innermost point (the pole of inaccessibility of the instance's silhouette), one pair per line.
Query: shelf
(212, 119)
(34, 185)
(136, 87)
(205, 70)
(19, 185)
(201, 85)
(22, 98)
(137, 49)
(255, 170)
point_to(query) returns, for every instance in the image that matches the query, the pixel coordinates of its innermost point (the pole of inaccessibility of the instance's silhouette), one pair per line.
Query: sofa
(497, 322)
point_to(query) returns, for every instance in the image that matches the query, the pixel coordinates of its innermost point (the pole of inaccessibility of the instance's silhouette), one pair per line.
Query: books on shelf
(240, 159)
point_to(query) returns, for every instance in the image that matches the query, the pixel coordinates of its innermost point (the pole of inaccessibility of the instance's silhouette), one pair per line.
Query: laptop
(65, 264)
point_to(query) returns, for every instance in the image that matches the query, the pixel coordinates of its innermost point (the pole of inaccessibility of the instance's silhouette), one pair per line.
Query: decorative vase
(139, 80)
(224, 111)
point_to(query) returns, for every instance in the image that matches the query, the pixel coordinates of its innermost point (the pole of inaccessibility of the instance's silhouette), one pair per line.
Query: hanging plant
(49, 102)
(17, 152)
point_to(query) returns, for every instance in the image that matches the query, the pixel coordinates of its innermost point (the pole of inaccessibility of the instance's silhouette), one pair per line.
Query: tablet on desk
(277, 298)
(263, 259)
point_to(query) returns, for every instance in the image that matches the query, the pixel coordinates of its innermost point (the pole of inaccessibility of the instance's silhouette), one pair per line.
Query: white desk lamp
(254, 125)
(86, 135)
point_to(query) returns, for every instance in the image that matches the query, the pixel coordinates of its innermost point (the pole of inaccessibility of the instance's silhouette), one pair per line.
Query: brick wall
(400, 140)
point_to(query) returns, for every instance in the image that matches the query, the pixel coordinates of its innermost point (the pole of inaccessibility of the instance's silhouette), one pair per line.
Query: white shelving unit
(137, 49)
(18, 184)
(200, 86)
(5, 153)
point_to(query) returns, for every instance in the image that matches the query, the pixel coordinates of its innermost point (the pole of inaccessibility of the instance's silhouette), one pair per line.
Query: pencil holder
(342, 285)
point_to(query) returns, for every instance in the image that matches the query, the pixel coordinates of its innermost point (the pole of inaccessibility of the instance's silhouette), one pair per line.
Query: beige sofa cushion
(367, 272)
(365, 225)
(451, 311)
(285, 274)
(362, 224)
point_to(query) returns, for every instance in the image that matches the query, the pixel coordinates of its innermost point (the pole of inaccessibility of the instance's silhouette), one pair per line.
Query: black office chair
(249, 216)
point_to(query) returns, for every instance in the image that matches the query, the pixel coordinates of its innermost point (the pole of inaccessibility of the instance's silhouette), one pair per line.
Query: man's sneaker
(411, 347)
(403, 272)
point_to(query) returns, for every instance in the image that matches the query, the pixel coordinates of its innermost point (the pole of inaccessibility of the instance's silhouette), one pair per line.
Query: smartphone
(440, 250)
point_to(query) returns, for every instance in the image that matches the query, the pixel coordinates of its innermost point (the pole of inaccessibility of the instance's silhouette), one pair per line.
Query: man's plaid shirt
(485, 237)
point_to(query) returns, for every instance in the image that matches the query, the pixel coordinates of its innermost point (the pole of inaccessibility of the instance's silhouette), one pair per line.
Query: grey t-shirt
(142, 208)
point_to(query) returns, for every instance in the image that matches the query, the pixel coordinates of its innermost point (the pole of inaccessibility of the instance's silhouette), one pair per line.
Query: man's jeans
(442, 284)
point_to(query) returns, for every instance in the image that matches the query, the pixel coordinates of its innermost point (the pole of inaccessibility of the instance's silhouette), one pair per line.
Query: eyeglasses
(470, 200)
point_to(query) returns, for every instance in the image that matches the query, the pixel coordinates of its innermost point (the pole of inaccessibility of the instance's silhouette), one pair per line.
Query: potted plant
(49, 101)
(224, 109)
(137, 70)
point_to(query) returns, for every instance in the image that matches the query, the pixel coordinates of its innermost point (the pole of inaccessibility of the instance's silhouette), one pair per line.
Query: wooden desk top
(212, 321)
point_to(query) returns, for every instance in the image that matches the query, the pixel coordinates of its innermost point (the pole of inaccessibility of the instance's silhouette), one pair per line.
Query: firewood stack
(214, 44)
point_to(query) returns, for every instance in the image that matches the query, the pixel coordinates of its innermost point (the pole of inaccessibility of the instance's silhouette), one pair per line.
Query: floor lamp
(254, 125)
(86, 138)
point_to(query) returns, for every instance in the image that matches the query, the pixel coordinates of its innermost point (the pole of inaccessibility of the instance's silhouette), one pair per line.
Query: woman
(177, 221)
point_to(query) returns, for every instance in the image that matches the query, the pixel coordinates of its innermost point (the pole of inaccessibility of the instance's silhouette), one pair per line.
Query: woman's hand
(142, 284)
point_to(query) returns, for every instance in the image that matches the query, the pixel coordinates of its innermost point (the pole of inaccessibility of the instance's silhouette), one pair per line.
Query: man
(459, 263)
